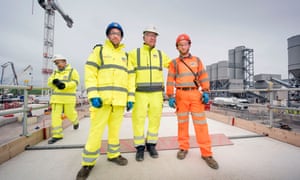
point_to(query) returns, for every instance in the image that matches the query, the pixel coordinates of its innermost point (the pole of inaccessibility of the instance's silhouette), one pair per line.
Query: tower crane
(15, 77)
(50, 6)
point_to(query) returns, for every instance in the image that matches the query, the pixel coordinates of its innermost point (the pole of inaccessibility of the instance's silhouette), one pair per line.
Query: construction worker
(188, 77)
(63, 81)
(109, 79)
(148, 63)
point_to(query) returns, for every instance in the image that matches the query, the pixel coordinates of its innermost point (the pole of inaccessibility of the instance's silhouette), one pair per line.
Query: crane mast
(50, 6)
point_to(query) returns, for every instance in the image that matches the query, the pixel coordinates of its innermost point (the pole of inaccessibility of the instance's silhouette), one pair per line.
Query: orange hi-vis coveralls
(63, 100)
(110, 76)
(148, 65)
(189, 99)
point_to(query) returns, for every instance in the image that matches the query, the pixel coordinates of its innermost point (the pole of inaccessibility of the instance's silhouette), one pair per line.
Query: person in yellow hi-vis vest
(148, 63)
(109, 79)
(63, 81)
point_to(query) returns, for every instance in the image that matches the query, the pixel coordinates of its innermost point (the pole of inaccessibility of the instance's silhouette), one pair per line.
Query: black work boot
(84, 172)
(151, 149)
(140, 153)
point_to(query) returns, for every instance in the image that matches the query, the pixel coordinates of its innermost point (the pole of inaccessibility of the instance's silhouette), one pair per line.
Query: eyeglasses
(115, 33)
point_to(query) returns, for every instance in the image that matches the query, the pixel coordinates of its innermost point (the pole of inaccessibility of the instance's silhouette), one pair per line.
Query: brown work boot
(84, 172)
(211, 162)
(119, 160)
(181, 154)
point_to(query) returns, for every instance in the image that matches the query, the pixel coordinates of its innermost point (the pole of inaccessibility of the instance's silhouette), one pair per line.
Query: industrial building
(236, 76)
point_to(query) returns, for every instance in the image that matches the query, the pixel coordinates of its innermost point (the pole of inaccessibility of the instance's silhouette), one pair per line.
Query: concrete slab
(248, 158)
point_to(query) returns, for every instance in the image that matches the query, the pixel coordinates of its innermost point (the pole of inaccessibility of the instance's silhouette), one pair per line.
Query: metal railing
(271, 94)
(25, 109)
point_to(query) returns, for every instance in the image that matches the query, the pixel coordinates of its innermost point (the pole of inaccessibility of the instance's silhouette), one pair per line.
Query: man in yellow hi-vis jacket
(109, 79)
(148, 64)
(64, 81)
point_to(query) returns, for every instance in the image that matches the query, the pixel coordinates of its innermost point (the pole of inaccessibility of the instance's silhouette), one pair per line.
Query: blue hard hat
(114, 25)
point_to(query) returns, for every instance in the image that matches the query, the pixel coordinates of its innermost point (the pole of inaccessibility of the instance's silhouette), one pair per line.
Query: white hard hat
(58, 57)
(151, 28)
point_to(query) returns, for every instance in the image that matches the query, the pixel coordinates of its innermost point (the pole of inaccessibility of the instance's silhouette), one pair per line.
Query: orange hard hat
(183, 37)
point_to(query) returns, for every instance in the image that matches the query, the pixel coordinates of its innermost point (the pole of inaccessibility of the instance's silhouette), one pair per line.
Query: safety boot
(75, 126)
(181, 154)
(84, 172)
(120, 160)
(140, 153)
(151, 149)
(211, 162)
(54, 140)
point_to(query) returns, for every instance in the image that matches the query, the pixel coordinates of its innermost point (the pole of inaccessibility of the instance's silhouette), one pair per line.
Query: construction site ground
(243, 149)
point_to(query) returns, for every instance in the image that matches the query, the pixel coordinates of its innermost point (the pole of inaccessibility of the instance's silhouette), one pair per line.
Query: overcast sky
(215, 26)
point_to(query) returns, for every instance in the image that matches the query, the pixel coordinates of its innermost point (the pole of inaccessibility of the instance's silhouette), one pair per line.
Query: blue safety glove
(129, 105)
(205, 97)
(96, 102)
(172, 102)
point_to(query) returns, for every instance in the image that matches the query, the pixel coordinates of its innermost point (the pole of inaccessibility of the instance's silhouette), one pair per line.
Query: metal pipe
(53, 147)
(25, 113)
(247, 136)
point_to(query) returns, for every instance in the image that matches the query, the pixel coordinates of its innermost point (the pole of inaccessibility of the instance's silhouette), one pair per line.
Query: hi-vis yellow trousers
(111, 116)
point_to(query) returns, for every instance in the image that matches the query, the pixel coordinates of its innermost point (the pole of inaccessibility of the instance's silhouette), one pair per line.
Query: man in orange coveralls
(188, 76)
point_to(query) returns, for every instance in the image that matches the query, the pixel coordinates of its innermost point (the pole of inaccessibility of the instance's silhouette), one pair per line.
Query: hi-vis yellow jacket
(109, 75)
(148, 65)
(70, 77)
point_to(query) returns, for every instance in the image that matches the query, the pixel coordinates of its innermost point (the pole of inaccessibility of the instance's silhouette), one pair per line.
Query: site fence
(267, 112)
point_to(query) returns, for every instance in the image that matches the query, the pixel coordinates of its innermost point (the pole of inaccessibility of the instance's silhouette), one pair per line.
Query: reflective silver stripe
(76, 82)
(93, 64)
(202, 114)
(114, 66)
(201, 72)
(183, 114)
(131, 94)
(185, 74)
(171, 75)
(131, 71)
(204, 80)
(170, 83)
(139, 137)
(113, 148)
(185, 84)
(89, 160)
(90, 89)
(91, 153)
(147, 84)
(152, 134)
(112, 88)
(200, 121)
(70, 74)
(63, 94)
(183, 121)
(152, 141)
(107, 88)
(57, 128)
(147, 68)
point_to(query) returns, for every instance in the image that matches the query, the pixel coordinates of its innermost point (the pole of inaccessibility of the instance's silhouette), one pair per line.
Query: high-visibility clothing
(179, 75)
(56, 115)
(148, 65)
(70, 77)
(189, 101)
(110, 76)
(107, 115)
(63, 100)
